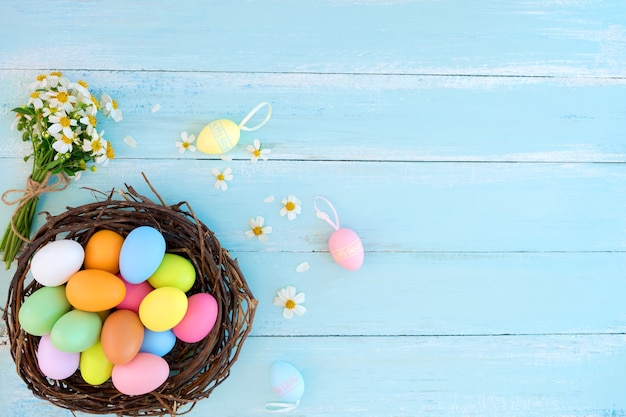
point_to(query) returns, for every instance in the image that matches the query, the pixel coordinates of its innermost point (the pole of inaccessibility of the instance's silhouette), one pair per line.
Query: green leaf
(25, 110)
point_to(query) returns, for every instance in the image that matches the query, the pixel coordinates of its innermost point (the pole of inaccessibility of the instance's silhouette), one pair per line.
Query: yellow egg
(95, 368)
(102, 251)
(163, 308)
(219, 136)
(174, 271)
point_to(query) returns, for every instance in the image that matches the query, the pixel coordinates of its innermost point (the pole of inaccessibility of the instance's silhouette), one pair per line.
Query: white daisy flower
(63, 143)
(56, 79)
(62, 99)
(257, 151)
(291, 207)
(61, 122)
(257, 229)
(88, 120)
(82, 90)
(290, 301)
(40, 82)
(222, 177)
(186, 143)
(110, 108)
(36, 99)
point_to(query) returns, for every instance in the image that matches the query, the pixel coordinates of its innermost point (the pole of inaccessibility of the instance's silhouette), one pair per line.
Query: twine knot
(33, 189)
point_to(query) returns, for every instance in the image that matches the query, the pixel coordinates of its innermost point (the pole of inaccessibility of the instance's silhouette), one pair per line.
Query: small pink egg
(199, 319)
(145, 373)
(53, 363)
(135, 293)
(346, 248)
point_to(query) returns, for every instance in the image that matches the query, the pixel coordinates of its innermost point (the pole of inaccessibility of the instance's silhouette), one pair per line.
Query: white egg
(56, 262)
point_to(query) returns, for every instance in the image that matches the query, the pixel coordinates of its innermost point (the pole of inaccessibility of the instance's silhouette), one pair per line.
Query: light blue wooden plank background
(477, 147)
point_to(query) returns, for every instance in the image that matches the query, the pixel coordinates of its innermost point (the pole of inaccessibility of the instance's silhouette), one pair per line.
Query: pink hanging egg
(346, 248)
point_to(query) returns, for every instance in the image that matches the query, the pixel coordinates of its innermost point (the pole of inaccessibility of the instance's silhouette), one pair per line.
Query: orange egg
(94, 290)
(121, 337)
(102, 251)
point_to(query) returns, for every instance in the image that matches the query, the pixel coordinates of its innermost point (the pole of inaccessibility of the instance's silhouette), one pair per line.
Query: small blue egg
(287, 382)
(142, 252)
(158, 343)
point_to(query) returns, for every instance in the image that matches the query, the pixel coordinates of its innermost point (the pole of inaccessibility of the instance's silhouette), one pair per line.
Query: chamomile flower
(62, 99)
(40, 82)
(185, 143)
(110, 108)
(221, 178)
(88, 120)
(36, 99)
(290, 301)
(82, 90)
(292, 206)
(61, 122)
(258, 229)
(63, 143)
(257, 151)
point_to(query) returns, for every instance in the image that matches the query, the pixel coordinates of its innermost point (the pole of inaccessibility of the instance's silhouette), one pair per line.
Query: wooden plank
(558, 375)
(530, 38)
(358, 117)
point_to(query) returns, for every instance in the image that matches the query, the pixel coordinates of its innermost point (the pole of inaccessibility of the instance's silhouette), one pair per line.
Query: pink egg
(135, 293)
(346, 248)
(53, 363)
(145, 373)
(198, 320)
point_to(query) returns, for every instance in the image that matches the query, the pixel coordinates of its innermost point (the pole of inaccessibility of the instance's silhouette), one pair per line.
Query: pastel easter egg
(141, 254)
(346, 248)
(219, 136)
(94, 290)
(54, 363)
(199, 319)
(145, 373)
(163, 308)
(102, 251)
(76, 331)
(174, 271)
(286, 381)
(57, 261)
(95, 368)
(121, 337)
(135, 293)
(158, 343)
(42, 309)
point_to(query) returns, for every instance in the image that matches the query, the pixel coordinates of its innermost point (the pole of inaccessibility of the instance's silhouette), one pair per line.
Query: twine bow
(33, 189)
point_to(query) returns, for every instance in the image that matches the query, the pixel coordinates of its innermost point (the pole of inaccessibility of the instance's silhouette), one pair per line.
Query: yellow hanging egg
(219, 136)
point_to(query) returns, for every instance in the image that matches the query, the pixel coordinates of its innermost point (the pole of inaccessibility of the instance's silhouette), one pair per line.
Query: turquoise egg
(76, 331)
(158, 343)
(142, 252)
(286, 380)
(42, 309)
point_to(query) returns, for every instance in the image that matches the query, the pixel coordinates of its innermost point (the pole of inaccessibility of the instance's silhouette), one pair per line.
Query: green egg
(76, 331)
(174, 271)
(41, 310)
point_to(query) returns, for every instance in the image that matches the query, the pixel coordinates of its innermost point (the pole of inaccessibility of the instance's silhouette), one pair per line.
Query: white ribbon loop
(324, 216)
(279, 407)
(252, 113)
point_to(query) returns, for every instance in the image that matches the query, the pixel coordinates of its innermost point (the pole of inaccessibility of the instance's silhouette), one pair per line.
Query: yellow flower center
(114, 104)
(96, 146)
(92, 120)
(65, 121)
(41, 77)
(56, 74)
(66, 140)
(220, 177)
(258, 231)
(290, 206)
(62, 96)
(110, 151)
(257, 152)
(95, 102)
(34, 94)
(84, 84)
(186, 146)
(290, 304)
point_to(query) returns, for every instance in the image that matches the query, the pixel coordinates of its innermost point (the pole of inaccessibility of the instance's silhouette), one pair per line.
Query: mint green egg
(174, 271)
(41, 310)
(76, 331)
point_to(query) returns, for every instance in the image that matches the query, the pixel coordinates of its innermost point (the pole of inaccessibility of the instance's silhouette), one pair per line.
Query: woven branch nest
(196, 368)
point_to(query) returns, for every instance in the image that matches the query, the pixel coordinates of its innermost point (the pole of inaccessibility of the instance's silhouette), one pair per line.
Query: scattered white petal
(268, 199)
(225, 157)
(155, 108)
(304, 266)
(130, 141)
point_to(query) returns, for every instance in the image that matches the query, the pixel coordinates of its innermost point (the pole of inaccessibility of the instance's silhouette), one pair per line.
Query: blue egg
(287, 382)
(157, 343)
(141, 254)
